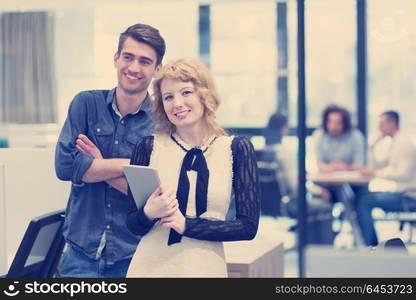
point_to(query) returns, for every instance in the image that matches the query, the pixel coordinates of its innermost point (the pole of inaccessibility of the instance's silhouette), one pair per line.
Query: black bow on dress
(193, 160)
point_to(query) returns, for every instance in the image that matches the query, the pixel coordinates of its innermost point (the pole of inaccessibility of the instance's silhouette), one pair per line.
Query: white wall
(30, 189)
(74, 55)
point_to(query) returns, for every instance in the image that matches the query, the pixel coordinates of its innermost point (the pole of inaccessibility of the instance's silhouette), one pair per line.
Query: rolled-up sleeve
(70, 164)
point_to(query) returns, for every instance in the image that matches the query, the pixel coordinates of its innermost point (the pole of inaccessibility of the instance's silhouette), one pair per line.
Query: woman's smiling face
(181, 103)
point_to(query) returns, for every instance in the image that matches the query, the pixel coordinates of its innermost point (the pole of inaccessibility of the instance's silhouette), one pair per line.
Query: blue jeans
(76, 264)
(388, 201)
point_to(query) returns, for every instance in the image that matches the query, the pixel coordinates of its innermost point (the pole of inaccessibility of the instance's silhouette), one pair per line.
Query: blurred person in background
(277, 128)
(338, 146)
(398, 166)
(319, 206)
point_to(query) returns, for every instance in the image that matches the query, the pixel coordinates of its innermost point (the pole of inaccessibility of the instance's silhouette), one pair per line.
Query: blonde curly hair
(187, 70)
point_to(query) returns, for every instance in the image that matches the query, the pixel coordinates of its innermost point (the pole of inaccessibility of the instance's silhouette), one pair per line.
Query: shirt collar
(145, 106)
(396, 137)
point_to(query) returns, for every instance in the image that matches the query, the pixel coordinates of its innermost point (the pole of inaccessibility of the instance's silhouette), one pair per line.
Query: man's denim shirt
(97, 208)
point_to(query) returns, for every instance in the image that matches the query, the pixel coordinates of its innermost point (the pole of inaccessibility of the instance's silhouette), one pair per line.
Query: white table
(256, 258)
(28, 188)
(339, 178)
(342, 181)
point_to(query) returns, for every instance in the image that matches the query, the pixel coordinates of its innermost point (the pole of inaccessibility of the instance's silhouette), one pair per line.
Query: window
(243, 61)
(330, 56)
(27, 74)
(392, 66)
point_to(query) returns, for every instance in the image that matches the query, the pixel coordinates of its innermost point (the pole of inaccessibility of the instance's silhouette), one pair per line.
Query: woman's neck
(194, 137)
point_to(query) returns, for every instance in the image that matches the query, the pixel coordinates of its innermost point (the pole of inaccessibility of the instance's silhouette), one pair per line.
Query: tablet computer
(143, 181)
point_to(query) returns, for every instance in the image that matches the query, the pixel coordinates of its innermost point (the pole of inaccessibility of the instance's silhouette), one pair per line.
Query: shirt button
(122, 122)
(98, 129)
(116, 142)
(109, 205)
(108, 227)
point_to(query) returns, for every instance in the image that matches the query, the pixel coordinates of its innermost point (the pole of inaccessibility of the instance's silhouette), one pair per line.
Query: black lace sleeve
(247, 201)
(137, 222)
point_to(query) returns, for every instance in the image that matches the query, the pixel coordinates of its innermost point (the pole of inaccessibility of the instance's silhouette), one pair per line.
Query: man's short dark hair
(345, 116)
(273, 131)
(277, 121)
(392, 116)
(146, 34)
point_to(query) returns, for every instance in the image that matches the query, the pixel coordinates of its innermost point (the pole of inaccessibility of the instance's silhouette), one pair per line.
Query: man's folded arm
(105, 169)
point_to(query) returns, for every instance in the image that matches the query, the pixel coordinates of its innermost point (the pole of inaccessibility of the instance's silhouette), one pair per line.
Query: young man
(338, 146)
(99, 243)
(399, 166)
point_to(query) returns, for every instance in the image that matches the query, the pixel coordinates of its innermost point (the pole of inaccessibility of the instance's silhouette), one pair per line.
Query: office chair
(270, 191)
(275, 201)
(394, 243)
(41, 248)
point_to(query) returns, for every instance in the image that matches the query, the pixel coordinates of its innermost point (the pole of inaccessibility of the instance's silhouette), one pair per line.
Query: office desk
(342, 181)
(28, 188)
(256, 258)
(340, 178)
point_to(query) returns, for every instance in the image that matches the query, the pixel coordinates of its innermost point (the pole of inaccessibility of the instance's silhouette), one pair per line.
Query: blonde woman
(201, 168)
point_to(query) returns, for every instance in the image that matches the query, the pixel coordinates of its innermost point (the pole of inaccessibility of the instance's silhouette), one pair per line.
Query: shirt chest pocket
(133, 138)
(104, 138)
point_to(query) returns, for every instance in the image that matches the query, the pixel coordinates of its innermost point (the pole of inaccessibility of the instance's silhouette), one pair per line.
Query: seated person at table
(338, 146)
(287, 172)
(399, 166)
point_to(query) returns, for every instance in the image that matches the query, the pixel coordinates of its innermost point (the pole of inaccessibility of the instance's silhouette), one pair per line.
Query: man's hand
(376, 141)
(339, 166)
(333, 166)
(356, 167)
(85, 146)
(325, 168)
(325, 194)
(367, 172)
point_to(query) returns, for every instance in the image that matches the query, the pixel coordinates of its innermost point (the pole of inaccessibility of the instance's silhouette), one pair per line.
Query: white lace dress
(200, 252)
